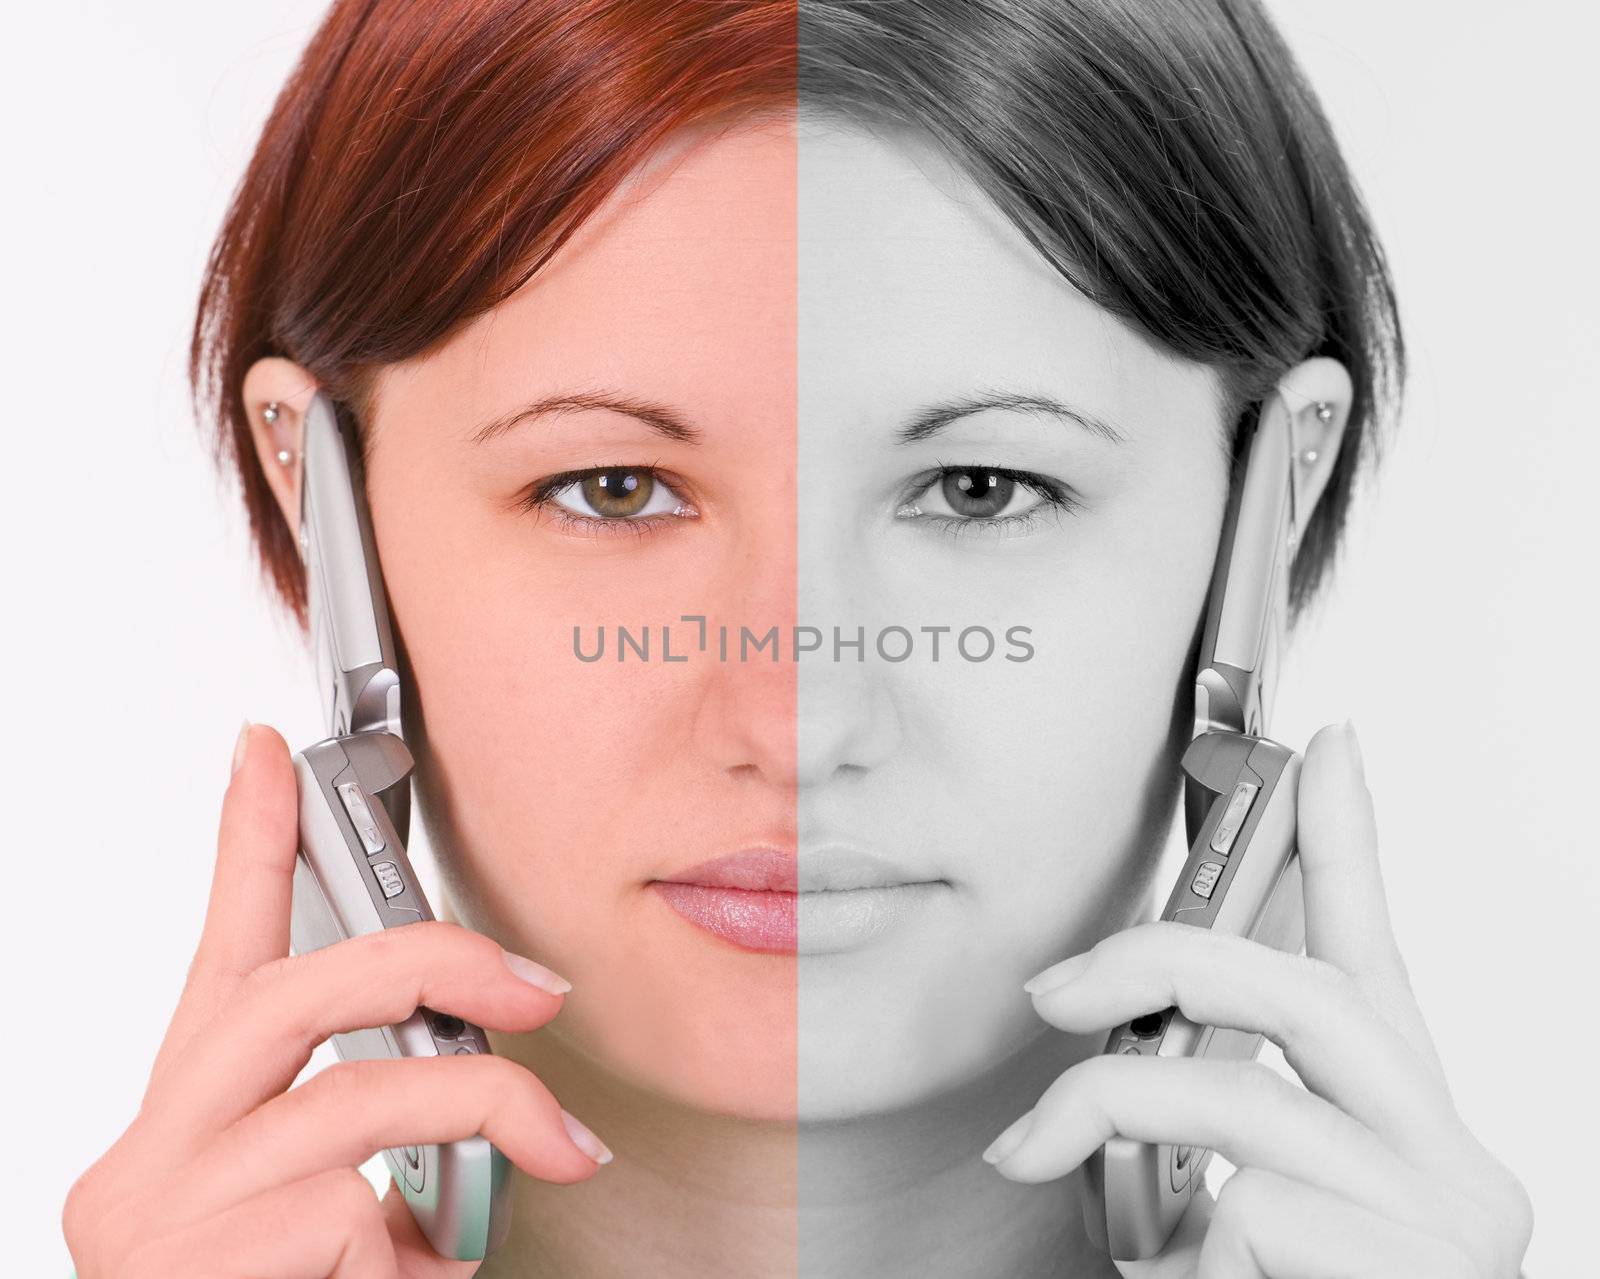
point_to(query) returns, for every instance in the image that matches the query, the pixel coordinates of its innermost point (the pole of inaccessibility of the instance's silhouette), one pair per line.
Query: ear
(288, 389)
(1316, 396)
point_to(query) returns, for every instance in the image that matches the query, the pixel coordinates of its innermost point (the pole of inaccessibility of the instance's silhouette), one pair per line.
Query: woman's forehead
(858, 264)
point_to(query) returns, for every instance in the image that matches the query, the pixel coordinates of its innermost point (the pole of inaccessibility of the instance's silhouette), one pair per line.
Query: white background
(1459, 639)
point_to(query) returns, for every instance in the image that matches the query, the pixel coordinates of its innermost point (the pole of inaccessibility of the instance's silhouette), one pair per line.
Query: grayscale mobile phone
(1242, 875)
(351, 874)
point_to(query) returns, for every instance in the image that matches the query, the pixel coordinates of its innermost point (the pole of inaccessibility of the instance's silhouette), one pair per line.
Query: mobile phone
(352, 875)
(1242, 874)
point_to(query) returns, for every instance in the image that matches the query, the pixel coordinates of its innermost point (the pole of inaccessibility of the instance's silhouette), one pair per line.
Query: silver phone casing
(352, 641)
(1243, 639)
(459, 1191)
(352, 644)
(1134, 1192)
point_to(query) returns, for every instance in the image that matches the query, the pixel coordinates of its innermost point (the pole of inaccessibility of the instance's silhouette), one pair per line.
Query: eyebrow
(657, 417)
(935, 418)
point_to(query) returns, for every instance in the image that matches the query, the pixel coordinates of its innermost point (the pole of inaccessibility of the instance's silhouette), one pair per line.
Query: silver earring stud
(270, 414)
(1324, 411)
(1309, 456)
(285, 457)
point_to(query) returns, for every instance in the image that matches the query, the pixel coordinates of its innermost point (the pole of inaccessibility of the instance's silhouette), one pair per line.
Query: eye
(604, 497)
(986, 496)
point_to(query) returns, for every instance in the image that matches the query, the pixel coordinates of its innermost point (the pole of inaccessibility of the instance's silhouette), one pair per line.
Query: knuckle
(1329, 984)
(1320, 972)
(353, 1194)
(267, 977)
(504, 1087)
(78, 1210)
(206, 972)
(1517, 1209)
(1240, 1198)
(1257, 1084)
(1089, 1077)
(1173, 933)
(501, 1074)
(382, 948)
(268, 984)
(342, 1085)
(392, 946)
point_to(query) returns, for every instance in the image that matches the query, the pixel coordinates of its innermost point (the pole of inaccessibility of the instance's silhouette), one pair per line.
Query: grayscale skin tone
(1031, 797)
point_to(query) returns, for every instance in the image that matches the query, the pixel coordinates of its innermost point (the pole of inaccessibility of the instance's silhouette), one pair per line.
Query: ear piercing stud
(269, 415)
(1324, 412)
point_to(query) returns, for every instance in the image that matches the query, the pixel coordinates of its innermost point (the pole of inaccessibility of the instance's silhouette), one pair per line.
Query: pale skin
(756, 1102)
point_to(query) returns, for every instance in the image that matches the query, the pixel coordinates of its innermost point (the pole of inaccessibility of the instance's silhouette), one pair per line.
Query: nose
(797, 702)
(745, 718)
(848, 723)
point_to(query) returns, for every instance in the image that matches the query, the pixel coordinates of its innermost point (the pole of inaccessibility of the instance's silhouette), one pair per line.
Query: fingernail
(240, 746)
(1355, 745)
(1056, 975)
(585, 1140)
(1005, 1145)
(536, 974)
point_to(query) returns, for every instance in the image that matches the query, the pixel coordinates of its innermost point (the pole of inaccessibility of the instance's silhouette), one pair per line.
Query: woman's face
(805, 309)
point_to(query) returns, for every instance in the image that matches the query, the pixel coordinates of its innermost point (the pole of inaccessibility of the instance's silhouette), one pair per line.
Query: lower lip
(848, 919)
(824, 923)
(754, 919)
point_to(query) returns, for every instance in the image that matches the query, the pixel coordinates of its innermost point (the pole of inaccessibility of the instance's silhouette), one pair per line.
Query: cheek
(1045, 785)
(557, 787)
(1056, 752)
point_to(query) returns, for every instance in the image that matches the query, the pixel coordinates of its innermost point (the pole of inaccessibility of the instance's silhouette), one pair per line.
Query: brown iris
(619, 492)
(977, 493)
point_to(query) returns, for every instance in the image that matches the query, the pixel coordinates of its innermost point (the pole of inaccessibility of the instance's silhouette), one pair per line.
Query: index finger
(1347, 913)
(252, 885)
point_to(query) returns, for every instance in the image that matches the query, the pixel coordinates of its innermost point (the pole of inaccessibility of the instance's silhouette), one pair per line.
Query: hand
(1368, 1171)
(223, 1171)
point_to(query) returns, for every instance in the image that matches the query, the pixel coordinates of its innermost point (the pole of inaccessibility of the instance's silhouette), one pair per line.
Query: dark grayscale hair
(1170, 160)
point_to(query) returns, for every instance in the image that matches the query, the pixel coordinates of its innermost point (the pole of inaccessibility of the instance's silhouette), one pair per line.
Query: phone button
(355, 804)
(1205, 879)
(389, 878)
(1233, 816)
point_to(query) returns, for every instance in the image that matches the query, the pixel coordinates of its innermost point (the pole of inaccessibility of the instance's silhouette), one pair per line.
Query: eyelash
(541, 497)
(1054, 499)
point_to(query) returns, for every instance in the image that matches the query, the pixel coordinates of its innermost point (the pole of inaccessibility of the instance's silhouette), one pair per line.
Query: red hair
(422, 162)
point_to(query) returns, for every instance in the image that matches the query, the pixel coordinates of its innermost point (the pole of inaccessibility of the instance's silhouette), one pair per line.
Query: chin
(891, 1029)
(690, 1019)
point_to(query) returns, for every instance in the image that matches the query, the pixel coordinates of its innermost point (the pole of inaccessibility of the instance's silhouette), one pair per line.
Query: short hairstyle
(1169, 159)
(421, 164)
(423, 161)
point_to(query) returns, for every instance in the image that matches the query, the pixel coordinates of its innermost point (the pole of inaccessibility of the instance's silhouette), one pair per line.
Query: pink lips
(747, 898)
